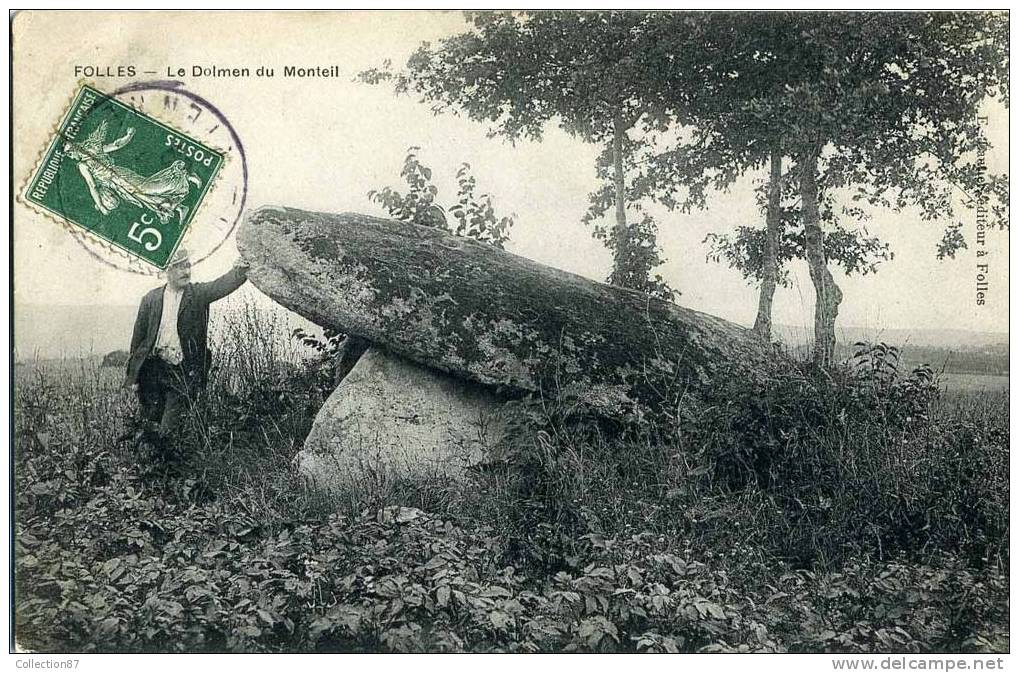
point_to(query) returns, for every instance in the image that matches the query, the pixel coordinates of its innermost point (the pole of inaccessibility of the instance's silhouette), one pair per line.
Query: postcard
(536, 331)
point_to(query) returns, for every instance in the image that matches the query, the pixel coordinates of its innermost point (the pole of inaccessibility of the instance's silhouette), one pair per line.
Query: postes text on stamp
(124, 176)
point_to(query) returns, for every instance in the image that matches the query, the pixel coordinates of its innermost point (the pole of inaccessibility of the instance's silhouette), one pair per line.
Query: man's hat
(180, 256)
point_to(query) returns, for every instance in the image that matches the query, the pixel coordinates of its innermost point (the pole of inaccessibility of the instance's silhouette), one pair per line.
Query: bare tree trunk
(620, 267)
(828, 296)
(769, 271)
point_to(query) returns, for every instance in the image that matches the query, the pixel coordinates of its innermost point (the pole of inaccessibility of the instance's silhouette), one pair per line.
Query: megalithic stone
(482, 314)
(389, 420)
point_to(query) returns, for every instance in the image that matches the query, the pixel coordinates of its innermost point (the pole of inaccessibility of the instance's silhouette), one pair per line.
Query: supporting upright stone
(392, 419)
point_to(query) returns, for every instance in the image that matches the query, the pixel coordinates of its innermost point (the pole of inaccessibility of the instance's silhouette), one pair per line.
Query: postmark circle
(186, 115)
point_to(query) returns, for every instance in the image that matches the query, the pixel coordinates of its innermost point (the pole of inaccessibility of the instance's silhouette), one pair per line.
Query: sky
(322, 144)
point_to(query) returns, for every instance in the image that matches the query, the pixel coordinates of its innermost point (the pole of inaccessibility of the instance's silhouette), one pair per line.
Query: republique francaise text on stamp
(124, 176)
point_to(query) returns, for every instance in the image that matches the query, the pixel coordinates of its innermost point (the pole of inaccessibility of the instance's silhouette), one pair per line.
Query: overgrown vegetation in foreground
(852, 512)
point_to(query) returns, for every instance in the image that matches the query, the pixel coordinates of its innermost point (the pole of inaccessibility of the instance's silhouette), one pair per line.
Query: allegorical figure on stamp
(108, 184)
(169, 363)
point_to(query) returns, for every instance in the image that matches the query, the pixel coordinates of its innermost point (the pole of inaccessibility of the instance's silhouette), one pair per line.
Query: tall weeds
(858, 510)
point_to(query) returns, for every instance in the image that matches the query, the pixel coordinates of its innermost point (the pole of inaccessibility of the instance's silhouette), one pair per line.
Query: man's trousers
(165, 394)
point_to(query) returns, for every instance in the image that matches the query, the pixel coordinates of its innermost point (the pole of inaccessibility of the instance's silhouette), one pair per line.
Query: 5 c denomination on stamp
(124, 176)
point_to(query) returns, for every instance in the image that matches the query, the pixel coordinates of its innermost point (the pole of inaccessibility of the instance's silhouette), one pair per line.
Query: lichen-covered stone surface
(392, 419)
(482, 314)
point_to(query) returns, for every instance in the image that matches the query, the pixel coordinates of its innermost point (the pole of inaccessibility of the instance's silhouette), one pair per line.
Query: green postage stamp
(123, 176)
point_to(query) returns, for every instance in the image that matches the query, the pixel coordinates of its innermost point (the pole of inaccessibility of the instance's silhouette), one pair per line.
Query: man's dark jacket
(192, 325)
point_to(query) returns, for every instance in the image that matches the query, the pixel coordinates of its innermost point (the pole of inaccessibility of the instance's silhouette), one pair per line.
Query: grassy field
(952, 382)
(805, 513)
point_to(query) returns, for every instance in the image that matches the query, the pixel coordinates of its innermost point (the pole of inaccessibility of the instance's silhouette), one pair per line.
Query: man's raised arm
(225, 284)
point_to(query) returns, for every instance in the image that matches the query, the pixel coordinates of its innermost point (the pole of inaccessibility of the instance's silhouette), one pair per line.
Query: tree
(761, 255)
(474, 215)
(729, 97)
(585, 71)
(890, 103)
(876, 108)
(772, 240)
(882, 108)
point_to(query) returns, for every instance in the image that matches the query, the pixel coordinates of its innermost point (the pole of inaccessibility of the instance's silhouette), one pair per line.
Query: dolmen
(453, 329)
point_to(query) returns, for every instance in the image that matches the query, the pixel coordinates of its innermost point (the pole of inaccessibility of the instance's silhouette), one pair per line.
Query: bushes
(851, 512)
(809, 466)
(855, 461)
(404, 580)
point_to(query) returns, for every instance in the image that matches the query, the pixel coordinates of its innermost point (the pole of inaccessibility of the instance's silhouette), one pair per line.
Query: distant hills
(929, 338)
(43, 332)
(951, 350)
(47, 332)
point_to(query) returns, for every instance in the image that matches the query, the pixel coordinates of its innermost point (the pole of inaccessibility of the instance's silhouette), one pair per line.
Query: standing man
(170, 359)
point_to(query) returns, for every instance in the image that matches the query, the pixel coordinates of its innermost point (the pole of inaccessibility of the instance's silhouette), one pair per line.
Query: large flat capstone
(486, 316)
